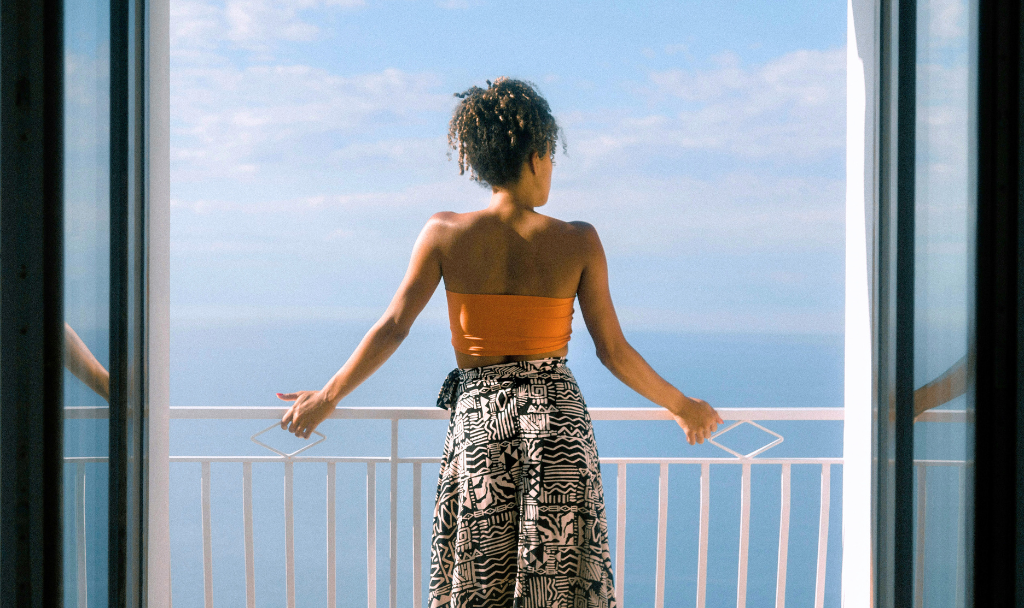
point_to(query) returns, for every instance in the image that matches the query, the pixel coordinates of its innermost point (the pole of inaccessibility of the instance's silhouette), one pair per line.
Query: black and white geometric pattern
(519, 518)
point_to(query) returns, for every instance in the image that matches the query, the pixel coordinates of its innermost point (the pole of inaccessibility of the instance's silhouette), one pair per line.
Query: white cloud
(252, 24)
(233, 314)
(237, 122)
(740, 212)
(791, 107)
(87, 111)
(87, 77)
(675, 49)
(944, 21)
(407, 151)
(449, 195)
(230, 121)
(457, 4)
(195, 23)
(246, 124)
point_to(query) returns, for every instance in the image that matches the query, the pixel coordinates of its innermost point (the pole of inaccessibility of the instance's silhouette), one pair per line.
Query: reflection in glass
(86, 299)
(944, 284)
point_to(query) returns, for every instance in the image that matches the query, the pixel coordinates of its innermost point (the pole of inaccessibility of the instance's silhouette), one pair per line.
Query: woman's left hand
(309, 410)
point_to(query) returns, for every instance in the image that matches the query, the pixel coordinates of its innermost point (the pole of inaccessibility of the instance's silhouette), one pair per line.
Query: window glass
(943, 296)
(86, 299)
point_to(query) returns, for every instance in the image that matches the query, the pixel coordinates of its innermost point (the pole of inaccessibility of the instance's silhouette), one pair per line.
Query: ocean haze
(216, 363)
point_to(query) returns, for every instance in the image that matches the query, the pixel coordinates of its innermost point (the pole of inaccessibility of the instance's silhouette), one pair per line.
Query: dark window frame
(998, 551)
(32, 297)
(127, 528)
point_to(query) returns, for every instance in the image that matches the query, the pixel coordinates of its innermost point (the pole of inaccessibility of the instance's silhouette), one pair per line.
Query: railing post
(332, 572)
(960, 532)
(702, 544)
(207, 545)
(289, 536)
(250, 566)
(393, 549)
(741, 576)
(659, 568)
(80, 546)
(826, 489)
(620, 534)
(371, 535)
(922, 493)
(780, 576)
(417, 591)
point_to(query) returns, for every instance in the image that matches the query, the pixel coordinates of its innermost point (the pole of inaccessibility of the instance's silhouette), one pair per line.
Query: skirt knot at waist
(455, 382)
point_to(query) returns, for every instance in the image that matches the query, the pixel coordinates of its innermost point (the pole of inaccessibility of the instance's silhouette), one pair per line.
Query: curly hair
(494, 130)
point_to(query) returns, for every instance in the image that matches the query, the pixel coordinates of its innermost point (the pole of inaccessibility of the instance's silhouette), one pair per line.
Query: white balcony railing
(735, 417)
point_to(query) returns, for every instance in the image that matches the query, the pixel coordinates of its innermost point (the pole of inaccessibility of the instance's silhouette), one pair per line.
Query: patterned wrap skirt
(519, 518)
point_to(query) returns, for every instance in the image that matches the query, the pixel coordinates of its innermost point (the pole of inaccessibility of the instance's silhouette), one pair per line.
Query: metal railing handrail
(397, 414)
(433, 413)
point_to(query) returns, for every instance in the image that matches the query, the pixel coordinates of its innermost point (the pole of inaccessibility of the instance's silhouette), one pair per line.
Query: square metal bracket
(777, 441)
(279, 452)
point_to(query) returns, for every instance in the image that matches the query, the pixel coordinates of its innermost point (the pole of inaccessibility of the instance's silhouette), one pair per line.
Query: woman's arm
(698, 419)
(80, 361)
(948, 386)
(421, 279)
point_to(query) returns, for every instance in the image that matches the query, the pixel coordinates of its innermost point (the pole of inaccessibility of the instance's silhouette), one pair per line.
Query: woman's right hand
(308, 410)
(697, 419)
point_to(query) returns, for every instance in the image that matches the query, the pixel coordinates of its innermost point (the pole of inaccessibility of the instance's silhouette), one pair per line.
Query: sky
(705, 142)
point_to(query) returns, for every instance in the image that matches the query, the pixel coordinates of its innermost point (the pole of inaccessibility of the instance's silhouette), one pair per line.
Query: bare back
(530, 254)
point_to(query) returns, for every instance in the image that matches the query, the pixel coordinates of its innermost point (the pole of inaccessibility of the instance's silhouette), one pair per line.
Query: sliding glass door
(948, 320)
(86, 301)
(72, 283)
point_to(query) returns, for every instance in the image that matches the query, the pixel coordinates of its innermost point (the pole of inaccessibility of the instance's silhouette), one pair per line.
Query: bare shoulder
(585, 236)
(583, 229)
(443, 219)
(451, 221)
(445, 228)
(440, 226)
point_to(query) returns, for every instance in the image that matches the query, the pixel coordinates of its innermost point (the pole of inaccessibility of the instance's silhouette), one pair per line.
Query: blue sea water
(245, 363)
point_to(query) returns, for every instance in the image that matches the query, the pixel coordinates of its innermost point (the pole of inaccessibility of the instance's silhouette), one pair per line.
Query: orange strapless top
(490, 325)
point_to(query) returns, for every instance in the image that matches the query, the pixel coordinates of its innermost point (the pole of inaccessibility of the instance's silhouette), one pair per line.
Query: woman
(519, 518)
